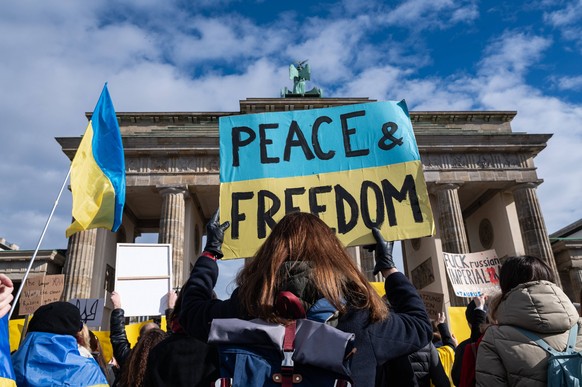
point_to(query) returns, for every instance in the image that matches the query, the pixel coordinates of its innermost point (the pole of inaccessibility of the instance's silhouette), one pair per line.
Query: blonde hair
(83, 337)
(303, 237)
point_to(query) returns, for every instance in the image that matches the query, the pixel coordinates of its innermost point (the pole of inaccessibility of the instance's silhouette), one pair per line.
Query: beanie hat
(59, 317)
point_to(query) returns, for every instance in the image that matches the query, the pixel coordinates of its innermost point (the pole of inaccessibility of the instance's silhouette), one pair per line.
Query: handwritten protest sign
(91, 310)
(355, 167)
(473, 274)
(433, 302)
(40, 290)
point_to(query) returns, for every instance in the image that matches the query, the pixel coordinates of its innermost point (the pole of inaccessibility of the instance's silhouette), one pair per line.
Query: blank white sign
(143, 277)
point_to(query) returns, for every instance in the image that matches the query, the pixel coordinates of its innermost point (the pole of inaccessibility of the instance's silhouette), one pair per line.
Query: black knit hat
(59, 317)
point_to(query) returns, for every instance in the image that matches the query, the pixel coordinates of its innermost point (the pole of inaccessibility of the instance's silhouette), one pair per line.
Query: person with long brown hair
(132, 375)
(529, 300)
(302, 255)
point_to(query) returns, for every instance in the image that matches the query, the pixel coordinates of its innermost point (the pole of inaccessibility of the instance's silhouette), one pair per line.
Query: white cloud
(512, 54)
(331, 47)
(431, 14)
(567, 16)
(465, 14)
(569, 83)
(568, 21)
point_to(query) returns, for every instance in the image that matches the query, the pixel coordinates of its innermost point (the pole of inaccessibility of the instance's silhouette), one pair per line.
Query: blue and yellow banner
(354, 166)
(98, 172)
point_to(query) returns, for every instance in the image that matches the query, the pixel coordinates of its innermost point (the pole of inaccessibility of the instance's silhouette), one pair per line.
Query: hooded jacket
(508, 358)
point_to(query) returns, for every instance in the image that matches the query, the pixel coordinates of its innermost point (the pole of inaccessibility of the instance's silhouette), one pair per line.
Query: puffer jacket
(428, 368)
(508, 358)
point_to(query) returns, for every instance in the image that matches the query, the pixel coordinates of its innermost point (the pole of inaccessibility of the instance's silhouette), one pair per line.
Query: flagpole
(38, 245)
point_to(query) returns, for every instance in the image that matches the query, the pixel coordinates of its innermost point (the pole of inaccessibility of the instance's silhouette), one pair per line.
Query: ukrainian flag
(98, 172)
(6, 371)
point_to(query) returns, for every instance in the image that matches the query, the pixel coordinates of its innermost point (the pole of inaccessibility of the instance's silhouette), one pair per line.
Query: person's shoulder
(461, 347)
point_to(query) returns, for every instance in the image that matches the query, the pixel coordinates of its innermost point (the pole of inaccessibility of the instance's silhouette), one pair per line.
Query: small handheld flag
(98, 172)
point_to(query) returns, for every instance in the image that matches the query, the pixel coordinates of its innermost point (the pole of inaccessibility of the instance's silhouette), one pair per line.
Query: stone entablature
(180, 164)
(15, 263)
(206, 123)
(462, 161)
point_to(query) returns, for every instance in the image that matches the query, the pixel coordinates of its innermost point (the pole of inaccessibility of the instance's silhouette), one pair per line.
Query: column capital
(448, 186)
(172, 189)
(525, 185)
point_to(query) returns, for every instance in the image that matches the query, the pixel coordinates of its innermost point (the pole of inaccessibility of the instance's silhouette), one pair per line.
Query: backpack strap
(572, 336)
(287, 377)
(573, 333)
(289, 306)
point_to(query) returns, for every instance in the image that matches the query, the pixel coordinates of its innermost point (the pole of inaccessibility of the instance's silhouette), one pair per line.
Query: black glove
(215, 235)
(383, 251)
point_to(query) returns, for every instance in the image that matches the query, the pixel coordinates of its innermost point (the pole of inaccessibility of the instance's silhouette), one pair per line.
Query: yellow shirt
(447, 357)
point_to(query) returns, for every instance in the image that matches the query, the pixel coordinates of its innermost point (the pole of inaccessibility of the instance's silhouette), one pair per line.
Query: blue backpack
(305, 352)
(564, 368)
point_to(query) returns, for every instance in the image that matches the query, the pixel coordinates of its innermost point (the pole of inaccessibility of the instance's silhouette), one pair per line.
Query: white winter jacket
(505, 356)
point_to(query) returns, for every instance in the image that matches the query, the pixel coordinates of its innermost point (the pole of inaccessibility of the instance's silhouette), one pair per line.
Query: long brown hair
(303, 237)
(133, 372)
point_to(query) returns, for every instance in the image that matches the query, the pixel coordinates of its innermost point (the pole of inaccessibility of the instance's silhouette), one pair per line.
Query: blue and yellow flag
(6, 371)
(98, 172)
(355, 166)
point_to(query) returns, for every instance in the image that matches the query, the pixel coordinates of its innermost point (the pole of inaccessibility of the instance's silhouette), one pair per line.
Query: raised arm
(198, 306)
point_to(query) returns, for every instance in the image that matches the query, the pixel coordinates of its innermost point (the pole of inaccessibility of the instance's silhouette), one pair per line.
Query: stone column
(576, 281)
(78, 268)
(451, 228)
(172, 228)
(532, 226)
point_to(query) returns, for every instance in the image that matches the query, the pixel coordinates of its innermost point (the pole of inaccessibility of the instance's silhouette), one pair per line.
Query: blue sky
(176, 56)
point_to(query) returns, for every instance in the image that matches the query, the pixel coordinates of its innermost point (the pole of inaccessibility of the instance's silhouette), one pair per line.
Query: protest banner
(355, 166)
(473, 274)
(91, 310)
(433, 302)
(40, 290)
(143, 277)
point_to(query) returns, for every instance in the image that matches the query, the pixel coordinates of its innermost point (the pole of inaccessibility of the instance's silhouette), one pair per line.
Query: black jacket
(119, 343)
(406, 330)
(427, 367)
(479, 317)
(180, 360)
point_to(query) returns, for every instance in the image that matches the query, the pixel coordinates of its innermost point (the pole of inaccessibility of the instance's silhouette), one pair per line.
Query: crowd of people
(300, 267)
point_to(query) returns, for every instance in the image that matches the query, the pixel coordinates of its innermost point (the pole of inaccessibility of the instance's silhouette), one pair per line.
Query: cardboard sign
(423, 275)
(143, 277)
(433, 302)
(40, 290)
(91, 310)
(356, 167)
(473, 274)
